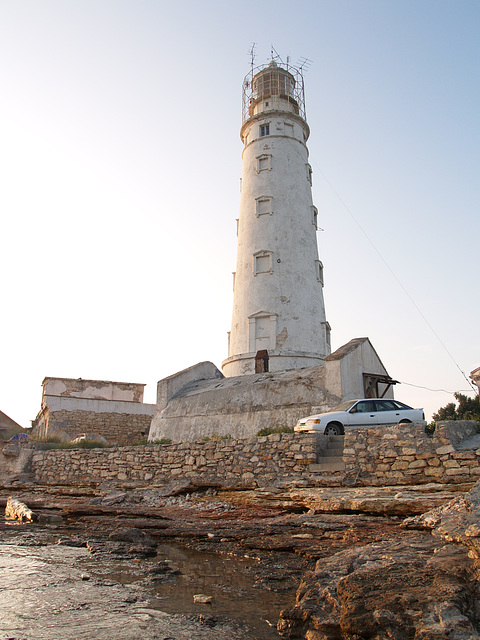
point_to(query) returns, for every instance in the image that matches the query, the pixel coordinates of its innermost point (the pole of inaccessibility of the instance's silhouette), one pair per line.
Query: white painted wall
(93, 389)
(280, 308)
(62, 403)
(344, 376)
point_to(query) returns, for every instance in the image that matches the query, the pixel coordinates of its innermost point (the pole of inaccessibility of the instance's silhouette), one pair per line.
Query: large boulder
(423, 584)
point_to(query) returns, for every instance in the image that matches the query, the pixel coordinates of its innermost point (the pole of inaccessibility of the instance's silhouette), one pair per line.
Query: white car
(360, 413)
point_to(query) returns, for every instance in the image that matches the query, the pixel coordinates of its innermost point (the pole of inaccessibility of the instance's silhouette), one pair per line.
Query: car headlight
(316, 421)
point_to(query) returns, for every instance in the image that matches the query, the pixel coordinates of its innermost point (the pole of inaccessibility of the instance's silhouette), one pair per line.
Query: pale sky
(120, 163)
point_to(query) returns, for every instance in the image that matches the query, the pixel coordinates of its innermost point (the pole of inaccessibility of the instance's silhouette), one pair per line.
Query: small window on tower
(264, 130)
(328, 330)
(264, 163)
(319, 270)
(315, 217)
(263, 205)
(309, 173)
(262, 262)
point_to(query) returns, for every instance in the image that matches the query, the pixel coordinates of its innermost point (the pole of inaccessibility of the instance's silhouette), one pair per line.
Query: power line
(394, 275)
(418, 386)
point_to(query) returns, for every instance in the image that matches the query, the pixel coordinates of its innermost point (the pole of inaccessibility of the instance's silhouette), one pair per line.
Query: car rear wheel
(405, 421)
(333, 429)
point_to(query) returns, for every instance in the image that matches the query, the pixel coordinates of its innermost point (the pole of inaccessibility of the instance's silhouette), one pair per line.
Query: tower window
(262, 329)
(264, 205)
(309, 173)
(315, 217)
(264, 163)
(319, 270)
(264, 130)
(328, 340)
(262, 262)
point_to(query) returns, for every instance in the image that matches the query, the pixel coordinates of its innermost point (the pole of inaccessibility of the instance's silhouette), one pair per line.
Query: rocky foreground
(351, 563)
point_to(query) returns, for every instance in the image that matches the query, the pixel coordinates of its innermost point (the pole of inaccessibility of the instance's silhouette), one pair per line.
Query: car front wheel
(333, 429)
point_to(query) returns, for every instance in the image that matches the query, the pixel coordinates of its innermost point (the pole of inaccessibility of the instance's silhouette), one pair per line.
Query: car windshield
(345, 406)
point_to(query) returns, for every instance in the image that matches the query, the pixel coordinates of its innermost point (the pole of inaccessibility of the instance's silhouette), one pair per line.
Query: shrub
(145, 443)
(55, 443)
(468, 409)
(266, 431)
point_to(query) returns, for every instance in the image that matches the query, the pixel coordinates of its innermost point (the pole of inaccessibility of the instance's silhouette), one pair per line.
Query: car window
(345, 406)
(400, 405)
(385, 405)
(365, 407)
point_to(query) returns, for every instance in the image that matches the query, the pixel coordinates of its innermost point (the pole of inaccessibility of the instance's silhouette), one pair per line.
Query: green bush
(430, 428)
(146, 442)
(46, 439)
(269, 430)
(83, 444)
(468, 409)
(54, 442)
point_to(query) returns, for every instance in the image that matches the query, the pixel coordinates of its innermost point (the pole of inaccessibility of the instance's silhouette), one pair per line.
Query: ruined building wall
(73, 407)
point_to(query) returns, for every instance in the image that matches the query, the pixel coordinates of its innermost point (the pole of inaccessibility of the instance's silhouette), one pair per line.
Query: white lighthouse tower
(278, 320)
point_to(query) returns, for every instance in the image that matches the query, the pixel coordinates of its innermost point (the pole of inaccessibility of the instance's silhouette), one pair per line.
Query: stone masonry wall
(122, 428)
(397, 455)
(404, 454)
(261, 459)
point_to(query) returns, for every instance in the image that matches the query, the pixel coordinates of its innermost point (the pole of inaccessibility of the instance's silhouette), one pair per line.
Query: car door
(362, 414)
(386, 412)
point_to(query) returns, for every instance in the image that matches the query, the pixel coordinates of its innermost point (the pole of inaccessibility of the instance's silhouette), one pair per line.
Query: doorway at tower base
(200, 402)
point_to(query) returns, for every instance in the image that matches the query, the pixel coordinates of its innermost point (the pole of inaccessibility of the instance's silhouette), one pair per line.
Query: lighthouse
(278, 319)
(279, 366)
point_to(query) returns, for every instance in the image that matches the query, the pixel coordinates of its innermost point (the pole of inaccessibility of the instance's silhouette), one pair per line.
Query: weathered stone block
(451, 464)
(462, 471)
(445, 450)
(399, 466)
(434, 471)
(417, 464)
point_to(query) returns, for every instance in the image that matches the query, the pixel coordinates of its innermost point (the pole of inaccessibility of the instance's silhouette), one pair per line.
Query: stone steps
(331, 458)
(334, 465)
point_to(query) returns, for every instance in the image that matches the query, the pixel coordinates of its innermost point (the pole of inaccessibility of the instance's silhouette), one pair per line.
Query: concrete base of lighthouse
(268, 362)
(200, 402)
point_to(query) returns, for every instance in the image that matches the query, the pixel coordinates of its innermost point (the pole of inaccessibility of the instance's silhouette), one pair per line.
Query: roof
(341, 352)
(7, 423)
(9, 427)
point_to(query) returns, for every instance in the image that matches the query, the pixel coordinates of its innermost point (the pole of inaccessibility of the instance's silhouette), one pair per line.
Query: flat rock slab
(399, 500)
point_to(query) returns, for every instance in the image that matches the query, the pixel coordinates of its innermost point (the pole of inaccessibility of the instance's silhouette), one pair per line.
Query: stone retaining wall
(250, 461)
(397, 455)
(404, 454)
